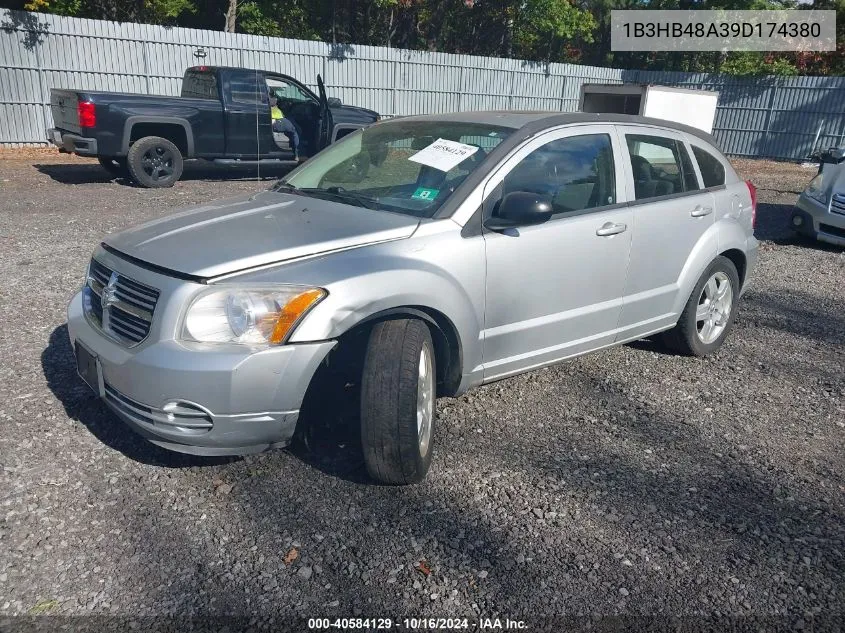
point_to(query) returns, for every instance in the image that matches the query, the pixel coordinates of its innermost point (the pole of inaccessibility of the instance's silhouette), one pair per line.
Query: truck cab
(223, 114)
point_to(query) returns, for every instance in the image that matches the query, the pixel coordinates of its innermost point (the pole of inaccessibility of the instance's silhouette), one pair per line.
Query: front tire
(709, 313)
(155, 162)
(398, 390)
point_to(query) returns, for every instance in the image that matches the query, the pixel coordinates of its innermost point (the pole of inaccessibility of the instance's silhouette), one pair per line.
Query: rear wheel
(155, 162)
(398, 391)
(115, 165)
(709, 313)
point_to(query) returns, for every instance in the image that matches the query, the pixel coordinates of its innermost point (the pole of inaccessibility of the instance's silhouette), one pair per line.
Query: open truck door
(324, 135)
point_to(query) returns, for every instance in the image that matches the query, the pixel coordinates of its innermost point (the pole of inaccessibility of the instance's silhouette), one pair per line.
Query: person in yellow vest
(284, 126)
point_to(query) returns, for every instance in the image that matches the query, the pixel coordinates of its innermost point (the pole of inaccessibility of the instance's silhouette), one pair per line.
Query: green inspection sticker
(425, 194)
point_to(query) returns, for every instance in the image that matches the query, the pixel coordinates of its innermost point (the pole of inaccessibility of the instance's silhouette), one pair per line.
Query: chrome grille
(122, 307)
(837, 204)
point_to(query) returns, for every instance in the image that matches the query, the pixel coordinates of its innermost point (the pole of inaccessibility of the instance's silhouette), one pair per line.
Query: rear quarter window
(712, 170)
(200, 85)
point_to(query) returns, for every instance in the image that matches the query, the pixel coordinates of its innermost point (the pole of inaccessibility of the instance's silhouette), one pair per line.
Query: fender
(143, 118)
(724, 235)
(700, 257)
(397, 279)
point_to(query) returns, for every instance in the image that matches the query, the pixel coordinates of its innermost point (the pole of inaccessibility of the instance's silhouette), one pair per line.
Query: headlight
(815, 189)
(251, 316)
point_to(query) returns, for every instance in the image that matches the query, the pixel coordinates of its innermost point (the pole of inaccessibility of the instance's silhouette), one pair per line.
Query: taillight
(87, 114)
(753, 191)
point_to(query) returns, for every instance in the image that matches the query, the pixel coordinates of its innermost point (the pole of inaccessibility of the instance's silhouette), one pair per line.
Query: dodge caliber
(460, 248)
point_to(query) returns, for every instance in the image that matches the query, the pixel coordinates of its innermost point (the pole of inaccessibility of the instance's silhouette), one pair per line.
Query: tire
(155, 162)
(693, 335)
(396, 441)
(115, 165)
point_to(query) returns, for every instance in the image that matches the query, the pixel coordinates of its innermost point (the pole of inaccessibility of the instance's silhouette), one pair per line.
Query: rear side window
(712, 170)
(199, 85)
(661, 166)
(576, 172)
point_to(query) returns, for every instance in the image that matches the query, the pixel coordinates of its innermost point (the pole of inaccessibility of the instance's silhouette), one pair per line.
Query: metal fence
(762, 117)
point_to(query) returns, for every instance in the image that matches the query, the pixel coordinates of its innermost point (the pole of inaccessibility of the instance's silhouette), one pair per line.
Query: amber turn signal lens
(292, 311)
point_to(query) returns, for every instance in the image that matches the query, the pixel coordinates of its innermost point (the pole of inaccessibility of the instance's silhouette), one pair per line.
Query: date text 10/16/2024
(417, 624)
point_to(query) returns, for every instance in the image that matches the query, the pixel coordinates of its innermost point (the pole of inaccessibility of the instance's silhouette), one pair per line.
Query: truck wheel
(155, 162)
(115, 165)
(709, 313)
(398, 389)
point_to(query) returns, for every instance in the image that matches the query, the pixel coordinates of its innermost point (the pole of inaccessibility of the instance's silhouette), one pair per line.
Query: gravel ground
(628, 482)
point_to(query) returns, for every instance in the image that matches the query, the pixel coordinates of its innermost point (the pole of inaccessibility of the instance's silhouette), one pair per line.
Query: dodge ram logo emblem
(109, 295)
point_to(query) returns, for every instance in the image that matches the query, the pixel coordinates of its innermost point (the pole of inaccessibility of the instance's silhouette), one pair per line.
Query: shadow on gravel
(59, 367)
(774, 225)
(703, 497)
(328, 433)
(77, 174)
(798, 313)
(651, 344)
(774, 222)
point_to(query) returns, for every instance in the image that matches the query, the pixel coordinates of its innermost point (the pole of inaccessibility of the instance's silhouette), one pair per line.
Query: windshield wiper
(283, 186)
(342, 195)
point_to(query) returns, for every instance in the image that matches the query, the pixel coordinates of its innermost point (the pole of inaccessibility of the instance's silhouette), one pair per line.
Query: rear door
(326, 124)
(672, 212)
(249, 131)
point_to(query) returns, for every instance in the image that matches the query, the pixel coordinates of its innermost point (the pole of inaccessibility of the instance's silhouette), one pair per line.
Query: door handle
(610, 228)
(700, 212)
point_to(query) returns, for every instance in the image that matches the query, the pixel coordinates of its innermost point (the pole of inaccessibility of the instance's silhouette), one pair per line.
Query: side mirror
(334, 102)
(520, 208)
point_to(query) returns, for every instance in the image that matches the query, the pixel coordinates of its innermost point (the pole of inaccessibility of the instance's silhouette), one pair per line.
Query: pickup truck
(223, 114)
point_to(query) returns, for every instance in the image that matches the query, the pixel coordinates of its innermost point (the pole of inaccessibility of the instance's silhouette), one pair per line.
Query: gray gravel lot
(627, 482)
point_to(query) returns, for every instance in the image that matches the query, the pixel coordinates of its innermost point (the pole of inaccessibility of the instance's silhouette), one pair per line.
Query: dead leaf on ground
(291, 556)
(423, 567)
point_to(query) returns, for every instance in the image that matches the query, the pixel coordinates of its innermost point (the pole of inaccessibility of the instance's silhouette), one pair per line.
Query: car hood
(834, 179)
(249, 231)
(354, 112)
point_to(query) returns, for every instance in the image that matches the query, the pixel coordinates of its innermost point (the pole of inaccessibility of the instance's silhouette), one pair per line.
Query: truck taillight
(753, 191)
(87, 114)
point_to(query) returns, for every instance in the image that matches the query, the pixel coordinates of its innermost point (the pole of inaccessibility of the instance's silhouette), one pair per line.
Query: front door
(554, 290)
(671, 216)
(325, 128)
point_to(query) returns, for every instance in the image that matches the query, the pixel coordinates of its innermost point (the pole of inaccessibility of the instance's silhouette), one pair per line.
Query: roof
(534, 121)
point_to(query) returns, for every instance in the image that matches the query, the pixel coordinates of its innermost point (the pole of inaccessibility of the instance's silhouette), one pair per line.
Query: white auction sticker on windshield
(443, 154)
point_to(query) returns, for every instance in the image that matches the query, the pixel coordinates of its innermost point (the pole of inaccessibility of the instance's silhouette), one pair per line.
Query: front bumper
(201, 400)
(72, 143)
(818, 221)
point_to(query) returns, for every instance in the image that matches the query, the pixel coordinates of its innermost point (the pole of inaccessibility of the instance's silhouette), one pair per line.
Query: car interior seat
(645, 186)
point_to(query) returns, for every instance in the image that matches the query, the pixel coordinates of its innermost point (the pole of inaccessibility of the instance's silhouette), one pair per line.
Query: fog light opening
(797, 220)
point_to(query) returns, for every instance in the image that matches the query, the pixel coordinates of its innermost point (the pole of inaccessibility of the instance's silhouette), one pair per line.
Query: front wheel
(398, 390)
(155, 162)
(709, 313)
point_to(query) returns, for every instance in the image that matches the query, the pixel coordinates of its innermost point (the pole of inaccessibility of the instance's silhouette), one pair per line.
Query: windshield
(409, 167)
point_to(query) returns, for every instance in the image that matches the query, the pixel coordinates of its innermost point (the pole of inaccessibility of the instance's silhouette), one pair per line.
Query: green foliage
(165, 11)
(756, 63)
(540, 31)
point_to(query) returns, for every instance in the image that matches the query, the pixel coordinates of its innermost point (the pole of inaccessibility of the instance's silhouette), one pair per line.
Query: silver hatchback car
(461, 248)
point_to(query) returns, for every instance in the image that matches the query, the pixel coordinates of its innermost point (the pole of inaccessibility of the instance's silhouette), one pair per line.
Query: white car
(820, 212)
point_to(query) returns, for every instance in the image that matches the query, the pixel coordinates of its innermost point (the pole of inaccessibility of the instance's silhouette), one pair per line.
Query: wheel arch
(739, 260)
(176, 130)
(448, 349)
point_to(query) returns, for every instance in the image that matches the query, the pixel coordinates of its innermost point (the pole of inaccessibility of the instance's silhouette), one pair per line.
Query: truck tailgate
(63, 104)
